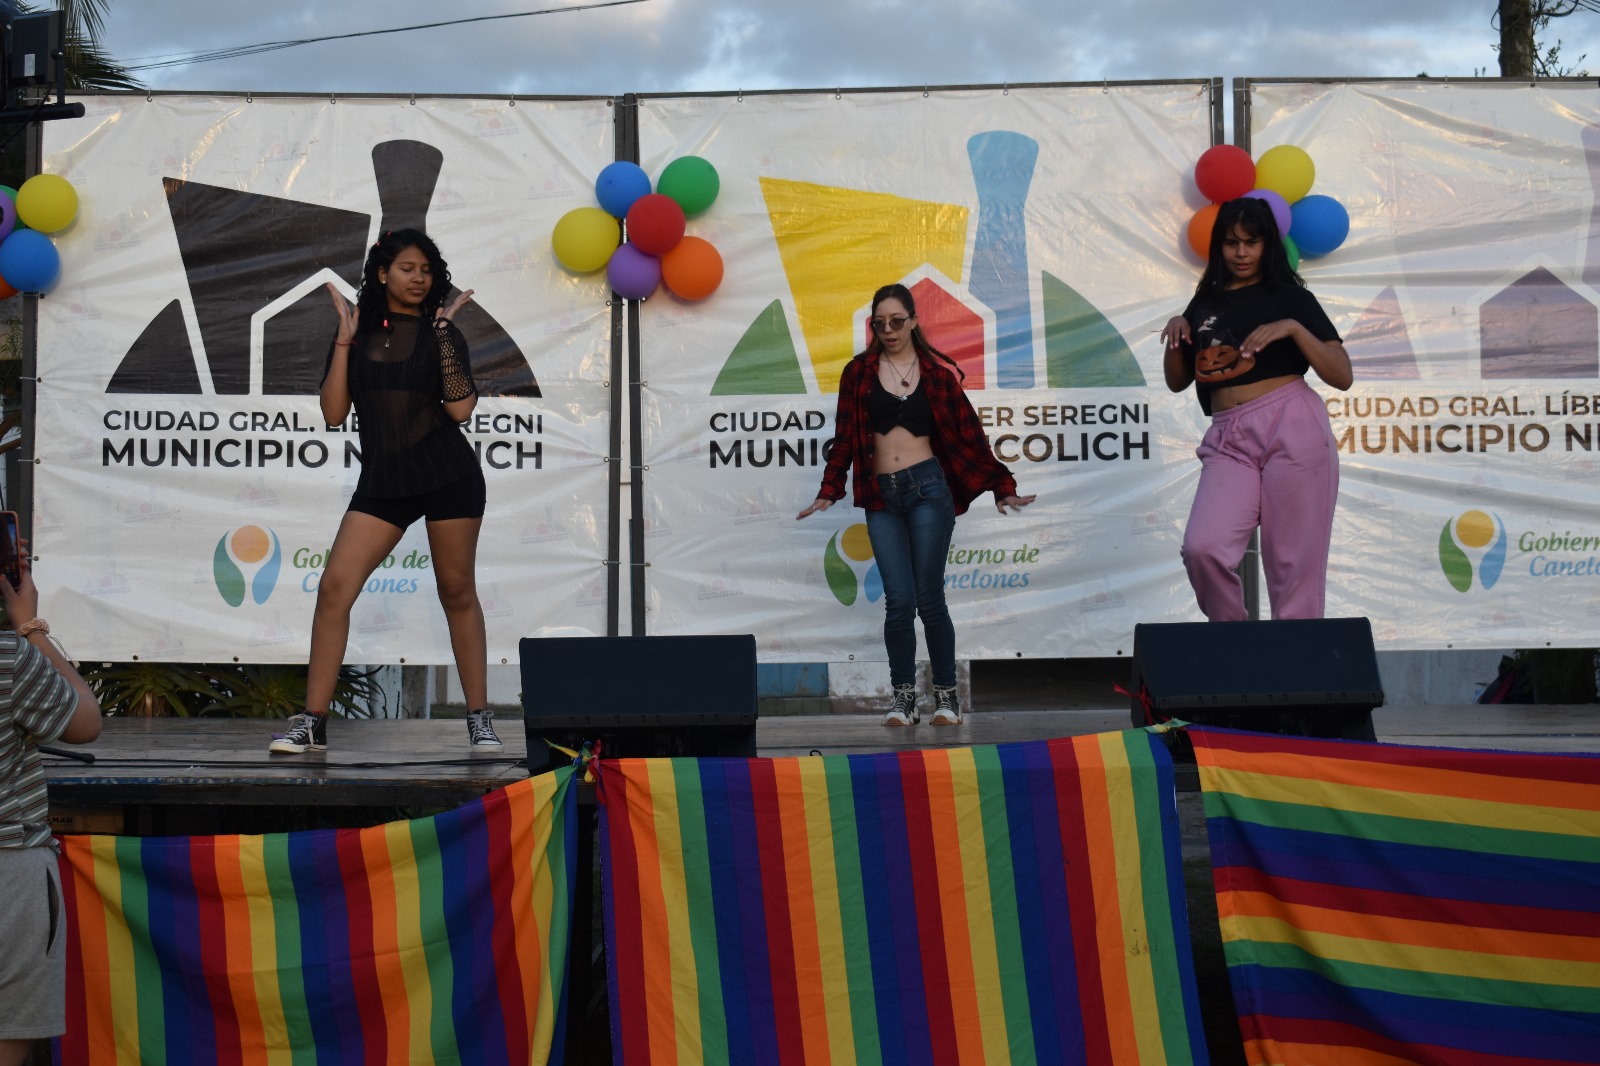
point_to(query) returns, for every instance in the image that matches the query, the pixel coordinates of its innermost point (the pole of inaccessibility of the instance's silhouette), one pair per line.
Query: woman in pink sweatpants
(1269, 458)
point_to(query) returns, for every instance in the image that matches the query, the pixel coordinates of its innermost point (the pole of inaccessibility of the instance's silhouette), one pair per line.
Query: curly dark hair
(1254, 216)
(372, 303)
(899, 292)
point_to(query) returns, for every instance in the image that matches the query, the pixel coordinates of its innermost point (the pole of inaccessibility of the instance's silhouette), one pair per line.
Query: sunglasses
(889, 325)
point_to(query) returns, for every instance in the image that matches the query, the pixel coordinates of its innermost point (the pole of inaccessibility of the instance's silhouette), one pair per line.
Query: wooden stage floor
(413, 762)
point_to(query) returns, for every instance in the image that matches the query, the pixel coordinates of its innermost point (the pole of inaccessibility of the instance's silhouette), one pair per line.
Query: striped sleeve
(42, 701)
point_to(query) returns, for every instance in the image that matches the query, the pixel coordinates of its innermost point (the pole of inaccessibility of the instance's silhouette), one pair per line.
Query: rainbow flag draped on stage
(437, 940)
(1388, 904)
(1019, 903)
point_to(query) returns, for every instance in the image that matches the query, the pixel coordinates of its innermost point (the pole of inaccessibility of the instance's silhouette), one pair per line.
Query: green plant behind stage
(223, 690)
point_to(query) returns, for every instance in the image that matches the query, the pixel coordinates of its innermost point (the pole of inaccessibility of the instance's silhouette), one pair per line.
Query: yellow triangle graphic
(839, 245)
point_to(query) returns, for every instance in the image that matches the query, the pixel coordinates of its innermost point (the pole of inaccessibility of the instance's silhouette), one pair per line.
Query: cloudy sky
(666, 46)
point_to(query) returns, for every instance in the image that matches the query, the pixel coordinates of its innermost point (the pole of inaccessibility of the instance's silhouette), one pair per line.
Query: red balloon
(693, 269)
(7, 290)
(1224, 173)
(655, 223)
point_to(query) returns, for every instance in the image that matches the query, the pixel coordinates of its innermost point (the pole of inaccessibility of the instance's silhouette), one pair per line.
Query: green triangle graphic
(764, 362)
(1082, 348)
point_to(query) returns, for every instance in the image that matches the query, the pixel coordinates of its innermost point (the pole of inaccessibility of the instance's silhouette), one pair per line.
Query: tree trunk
(1516, 38)
(414, 691)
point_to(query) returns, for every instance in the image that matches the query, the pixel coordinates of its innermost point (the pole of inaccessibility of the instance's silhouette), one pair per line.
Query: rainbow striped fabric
(439, 940)
(1012, 904)
(1385, 904)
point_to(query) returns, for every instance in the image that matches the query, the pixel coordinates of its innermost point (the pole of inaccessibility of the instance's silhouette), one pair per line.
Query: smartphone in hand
(10, 556)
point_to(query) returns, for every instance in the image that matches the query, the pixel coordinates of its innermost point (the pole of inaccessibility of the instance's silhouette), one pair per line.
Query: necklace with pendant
(388, 334)
(903, 375)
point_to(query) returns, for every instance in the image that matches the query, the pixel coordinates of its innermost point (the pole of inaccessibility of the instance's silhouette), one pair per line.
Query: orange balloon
(7, 290)
(692, 270)
(1200, 230)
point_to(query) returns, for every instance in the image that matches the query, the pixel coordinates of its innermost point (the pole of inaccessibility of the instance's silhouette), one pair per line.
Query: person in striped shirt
(42, 699)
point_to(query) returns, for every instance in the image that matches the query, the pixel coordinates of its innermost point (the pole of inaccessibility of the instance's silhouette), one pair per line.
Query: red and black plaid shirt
(958, 440)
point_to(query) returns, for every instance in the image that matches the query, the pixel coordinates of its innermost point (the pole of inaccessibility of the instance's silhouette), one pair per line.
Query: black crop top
(885, 410)
(1229, 315)
(399, 379)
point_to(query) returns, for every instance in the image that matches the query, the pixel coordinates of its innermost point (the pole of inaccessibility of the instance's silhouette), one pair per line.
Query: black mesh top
(400, 378)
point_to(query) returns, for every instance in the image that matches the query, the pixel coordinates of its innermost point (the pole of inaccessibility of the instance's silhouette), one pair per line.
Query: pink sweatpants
(1272, 462)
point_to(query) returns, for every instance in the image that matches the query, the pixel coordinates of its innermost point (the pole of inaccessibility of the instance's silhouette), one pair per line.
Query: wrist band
(32, 626)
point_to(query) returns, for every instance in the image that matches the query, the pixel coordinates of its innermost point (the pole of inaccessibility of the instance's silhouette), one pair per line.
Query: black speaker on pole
(639, 696)
(1314, 677)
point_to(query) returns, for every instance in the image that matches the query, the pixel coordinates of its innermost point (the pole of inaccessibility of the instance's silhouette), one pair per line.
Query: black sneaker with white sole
(480, 730)
(305, 731)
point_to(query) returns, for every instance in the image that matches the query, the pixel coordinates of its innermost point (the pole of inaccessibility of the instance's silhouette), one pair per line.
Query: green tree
(89, 66)
(1522, 54)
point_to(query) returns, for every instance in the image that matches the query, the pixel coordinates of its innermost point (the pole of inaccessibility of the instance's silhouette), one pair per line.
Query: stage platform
(167, 762)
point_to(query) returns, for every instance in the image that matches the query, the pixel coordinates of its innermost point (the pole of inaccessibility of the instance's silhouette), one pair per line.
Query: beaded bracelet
(32, 626)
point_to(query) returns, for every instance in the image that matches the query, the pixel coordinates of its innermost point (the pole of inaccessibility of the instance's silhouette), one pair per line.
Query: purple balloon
(1280, 208)
(633, 274)
(8, 216)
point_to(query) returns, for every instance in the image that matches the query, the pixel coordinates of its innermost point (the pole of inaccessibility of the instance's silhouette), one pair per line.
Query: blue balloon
(29, 261)
(1320, 224)
(619, 185)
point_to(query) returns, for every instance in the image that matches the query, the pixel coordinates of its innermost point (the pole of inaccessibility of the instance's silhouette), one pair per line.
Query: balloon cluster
(29, 261)
(1311, 225)
(656, 251)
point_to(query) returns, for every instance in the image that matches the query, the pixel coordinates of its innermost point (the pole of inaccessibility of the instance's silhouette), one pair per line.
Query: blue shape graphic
(873, 584)
(1494, 560)
(1002, 169)
(267, 577)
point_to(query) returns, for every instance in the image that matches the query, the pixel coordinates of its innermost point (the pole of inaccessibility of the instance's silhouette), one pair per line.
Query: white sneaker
(903, 711)
(947, 709)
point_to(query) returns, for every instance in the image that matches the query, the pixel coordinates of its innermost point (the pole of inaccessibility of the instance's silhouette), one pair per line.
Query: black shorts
(466, 498)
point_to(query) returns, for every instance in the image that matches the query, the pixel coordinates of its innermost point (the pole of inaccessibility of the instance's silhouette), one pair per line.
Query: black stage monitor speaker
(1312, 677)
(639, 696)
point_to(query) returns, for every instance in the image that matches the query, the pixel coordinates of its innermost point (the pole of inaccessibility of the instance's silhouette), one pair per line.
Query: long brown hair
(919, 342)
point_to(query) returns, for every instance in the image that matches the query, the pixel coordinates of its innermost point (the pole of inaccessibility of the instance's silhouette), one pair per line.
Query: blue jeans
(910, 540)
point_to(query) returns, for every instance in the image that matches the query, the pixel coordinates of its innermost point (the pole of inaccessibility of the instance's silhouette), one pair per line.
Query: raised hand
(448, 311)
(347, 315)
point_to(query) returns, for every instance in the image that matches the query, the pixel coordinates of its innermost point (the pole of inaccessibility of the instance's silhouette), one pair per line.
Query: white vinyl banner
(1040, 231)
(1467, 294)
(187, 489)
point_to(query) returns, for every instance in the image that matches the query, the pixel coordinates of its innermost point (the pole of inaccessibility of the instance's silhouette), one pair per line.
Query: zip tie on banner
(1143, 696)
(586, 759)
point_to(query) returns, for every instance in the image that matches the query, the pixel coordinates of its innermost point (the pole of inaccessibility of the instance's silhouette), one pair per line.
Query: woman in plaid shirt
(918, 457)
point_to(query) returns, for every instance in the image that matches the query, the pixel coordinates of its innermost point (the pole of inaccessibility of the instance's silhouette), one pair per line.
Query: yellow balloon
(47, 202)
(585, 238)
(1286, 170)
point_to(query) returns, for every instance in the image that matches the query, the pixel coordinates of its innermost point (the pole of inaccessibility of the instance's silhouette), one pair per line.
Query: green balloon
(691, 182)
(1293, 250)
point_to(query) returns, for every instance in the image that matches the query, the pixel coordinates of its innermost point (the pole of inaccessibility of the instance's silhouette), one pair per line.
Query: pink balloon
(1280, 208)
